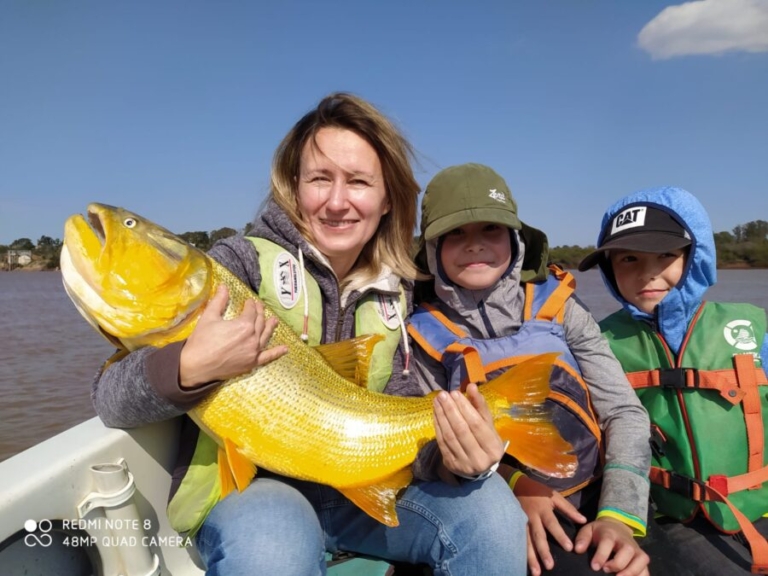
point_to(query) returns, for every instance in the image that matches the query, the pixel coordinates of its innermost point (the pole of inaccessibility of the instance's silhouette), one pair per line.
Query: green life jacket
(708, 408)
(285, 289)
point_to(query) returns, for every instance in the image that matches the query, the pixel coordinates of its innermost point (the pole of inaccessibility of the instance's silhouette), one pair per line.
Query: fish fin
(519, 395)
(114, 340)
(226, 481)
(527, 383)
(241, 469)
(538, 445)
(378, 500)
(116, 357)
(351, 358)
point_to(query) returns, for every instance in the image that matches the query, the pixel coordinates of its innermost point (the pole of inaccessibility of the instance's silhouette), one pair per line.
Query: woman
(342, 207)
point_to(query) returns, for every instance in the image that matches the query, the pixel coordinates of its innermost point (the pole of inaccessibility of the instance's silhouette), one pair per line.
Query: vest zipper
(340, 319)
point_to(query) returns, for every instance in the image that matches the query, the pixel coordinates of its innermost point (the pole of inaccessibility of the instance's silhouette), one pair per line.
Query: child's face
(645, 278)
(476, 255)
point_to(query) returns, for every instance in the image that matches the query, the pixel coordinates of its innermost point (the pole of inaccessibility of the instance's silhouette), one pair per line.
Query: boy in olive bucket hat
(496, 300)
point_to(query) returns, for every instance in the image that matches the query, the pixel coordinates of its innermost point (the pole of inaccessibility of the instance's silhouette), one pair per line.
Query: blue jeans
(284, 526)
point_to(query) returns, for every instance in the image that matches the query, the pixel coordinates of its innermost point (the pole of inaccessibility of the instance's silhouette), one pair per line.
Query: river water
(49, 353)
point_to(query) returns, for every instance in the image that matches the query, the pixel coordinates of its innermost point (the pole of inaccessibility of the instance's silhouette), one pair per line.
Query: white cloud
(707, 27)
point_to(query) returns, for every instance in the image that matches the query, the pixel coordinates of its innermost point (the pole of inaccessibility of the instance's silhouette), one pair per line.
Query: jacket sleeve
(764, 355)
(622, 418)
(143, 386)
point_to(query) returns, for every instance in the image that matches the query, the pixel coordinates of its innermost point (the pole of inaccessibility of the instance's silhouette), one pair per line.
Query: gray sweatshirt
(622, 418)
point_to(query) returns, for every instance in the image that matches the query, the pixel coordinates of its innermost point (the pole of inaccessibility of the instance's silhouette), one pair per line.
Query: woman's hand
(617, 551)
(465, 434)
(219, 349)
(540, 504)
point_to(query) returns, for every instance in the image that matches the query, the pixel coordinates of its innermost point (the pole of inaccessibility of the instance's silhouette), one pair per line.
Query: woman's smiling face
(341, 194)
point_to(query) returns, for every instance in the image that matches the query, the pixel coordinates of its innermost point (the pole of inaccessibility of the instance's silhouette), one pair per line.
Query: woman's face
(341, 195)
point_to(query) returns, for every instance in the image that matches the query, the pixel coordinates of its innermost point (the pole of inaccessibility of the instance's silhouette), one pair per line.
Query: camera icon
(38, 533)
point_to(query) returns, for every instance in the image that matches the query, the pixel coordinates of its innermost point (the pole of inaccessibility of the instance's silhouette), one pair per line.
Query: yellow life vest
(285, 288)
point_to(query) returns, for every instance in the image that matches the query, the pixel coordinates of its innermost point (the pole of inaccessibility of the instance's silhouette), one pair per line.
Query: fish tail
(538, 445)
(527, 383)
(517, 399)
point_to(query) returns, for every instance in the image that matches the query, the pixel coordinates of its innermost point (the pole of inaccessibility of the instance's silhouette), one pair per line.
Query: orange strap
(702, 491)
(529, 294)
(554, 307)
(444, 320)
(424, 343)
(753, 413)
(473, 362)
(728, 485)
(725, 381)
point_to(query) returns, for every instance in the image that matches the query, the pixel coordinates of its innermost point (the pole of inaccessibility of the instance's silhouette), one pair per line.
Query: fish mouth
(94, 220)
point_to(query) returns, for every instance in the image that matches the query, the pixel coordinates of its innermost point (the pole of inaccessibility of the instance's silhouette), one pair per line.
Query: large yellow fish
(300, 416)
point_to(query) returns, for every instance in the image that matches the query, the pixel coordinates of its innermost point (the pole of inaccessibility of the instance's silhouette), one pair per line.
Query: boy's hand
(612, 538)
(465, 434)
(540, 503)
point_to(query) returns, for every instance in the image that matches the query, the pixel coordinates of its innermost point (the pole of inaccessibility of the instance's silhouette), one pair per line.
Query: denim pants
(284, 526)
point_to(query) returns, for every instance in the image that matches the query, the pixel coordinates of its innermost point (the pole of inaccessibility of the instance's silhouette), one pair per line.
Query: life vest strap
(444, 320)
(473, 362)
(753, 414)
(717, 490)
(724, 381)
(554, 307)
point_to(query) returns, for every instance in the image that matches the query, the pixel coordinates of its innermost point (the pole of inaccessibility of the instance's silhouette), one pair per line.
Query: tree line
(47, 251)
(746, 246)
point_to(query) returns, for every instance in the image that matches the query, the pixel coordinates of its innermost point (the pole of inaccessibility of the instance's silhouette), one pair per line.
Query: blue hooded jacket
(675, 311)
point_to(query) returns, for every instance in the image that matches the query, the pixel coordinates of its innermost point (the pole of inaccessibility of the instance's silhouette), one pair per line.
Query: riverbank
(37, 265)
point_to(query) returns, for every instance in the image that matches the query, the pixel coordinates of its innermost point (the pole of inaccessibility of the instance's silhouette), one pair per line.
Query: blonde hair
(391, 243)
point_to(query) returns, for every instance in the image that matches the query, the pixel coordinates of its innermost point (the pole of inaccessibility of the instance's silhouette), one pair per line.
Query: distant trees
(49, 250)
(568, 256)
(22, 244)
(204, 240)
(198, 239)
(747, 246)
(755, 231)
(222, 233)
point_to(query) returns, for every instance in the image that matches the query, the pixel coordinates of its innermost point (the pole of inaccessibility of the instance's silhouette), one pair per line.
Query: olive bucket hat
(464, 194)
(469, 193)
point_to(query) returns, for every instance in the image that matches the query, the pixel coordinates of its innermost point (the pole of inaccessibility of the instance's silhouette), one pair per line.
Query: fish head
(129, 277)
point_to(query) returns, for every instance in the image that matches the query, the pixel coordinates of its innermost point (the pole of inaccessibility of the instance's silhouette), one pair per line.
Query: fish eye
(130, 222)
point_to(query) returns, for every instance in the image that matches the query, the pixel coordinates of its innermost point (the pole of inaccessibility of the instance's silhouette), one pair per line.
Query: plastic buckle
(675, 377)
(688, 487)
(658, 440)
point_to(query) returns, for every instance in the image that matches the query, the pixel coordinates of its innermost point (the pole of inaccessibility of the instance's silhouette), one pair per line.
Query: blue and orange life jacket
(478, 360)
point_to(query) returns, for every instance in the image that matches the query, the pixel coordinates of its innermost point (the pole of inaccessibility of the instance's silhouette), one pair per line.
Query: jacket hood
(503, 302)
(675, 311)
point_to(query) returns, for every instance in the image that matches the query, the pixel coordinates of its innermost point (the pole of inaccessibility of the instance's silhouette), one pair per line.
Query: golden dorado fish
(300, 415)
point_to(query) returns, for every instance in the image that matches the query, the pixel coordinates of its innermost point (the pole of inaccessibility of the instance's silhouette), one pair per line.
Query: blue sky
(173, 109)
